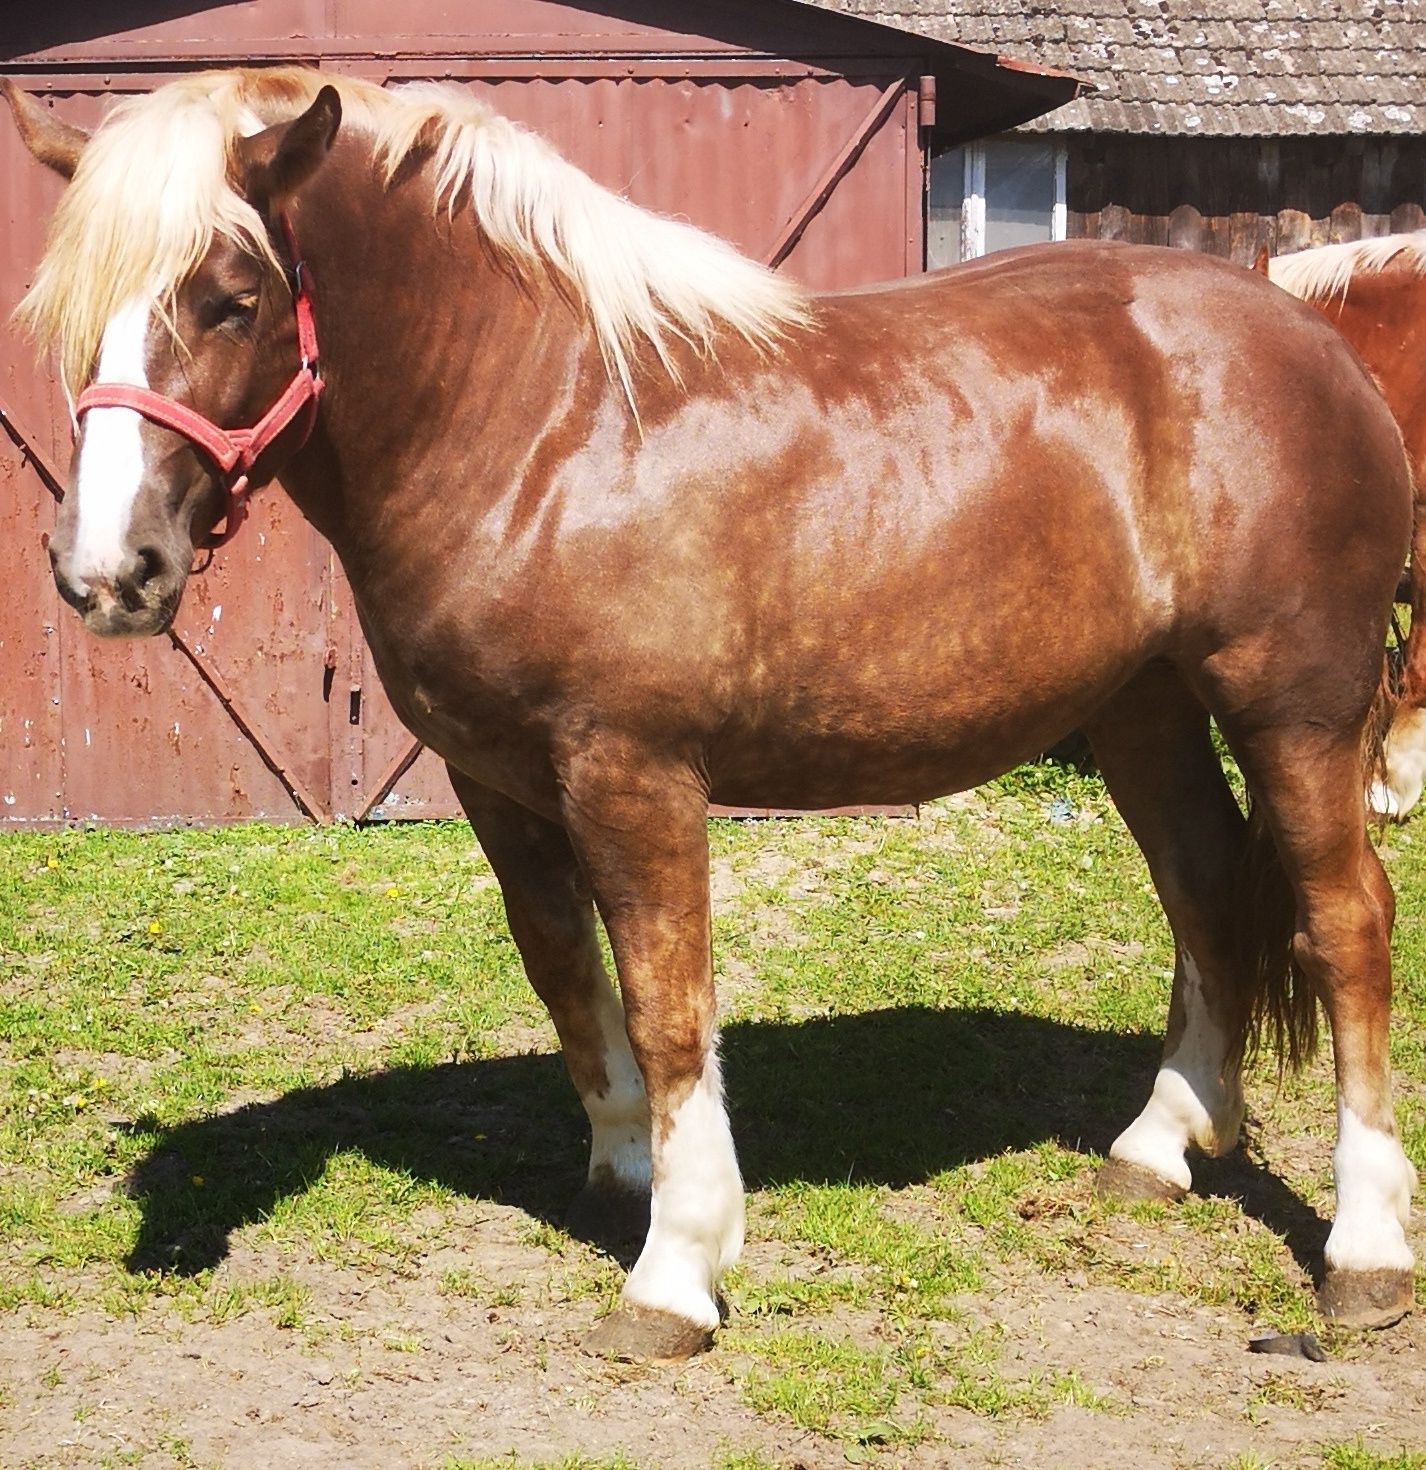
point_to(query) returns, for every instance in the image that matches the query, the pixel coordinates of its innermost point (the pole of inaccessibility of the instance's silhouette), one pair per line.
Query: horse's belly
(892, 754)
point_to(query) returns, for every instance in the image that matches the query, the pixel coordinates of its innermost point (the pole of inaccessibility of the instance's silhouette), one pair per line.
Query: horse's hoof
(635, 1334)
(611, 1217)
(1132, 1182)
(1365, 1298)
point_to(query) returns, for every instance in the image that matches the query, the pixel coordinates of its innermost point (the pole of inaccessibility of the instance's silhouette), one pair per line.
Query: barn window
(992, 195)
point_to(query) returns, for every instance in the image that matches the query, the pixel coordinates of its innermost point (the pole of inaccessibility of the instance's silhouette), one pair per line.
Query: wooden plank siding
(1229, 196)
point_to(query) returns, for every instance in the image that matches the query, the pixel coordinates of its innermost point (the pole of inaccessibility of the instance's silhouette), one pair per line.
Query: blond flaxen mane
(1320, 274)
(153, 188)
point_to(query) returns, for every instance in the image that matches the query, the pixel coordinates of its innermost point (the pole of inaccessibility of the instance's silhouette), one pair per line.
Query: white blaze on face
(111, 452)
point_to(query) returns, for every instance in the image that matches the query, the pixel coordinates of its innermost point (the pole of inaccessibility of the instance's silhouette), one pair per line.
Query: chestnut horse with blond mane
(1374, 292)
(633, 524)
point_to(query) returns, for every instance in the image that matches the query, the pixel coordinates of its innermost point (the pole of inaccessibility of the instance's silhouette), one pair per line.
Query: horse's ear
(52, 140)
(1260, 260)
(279, 160)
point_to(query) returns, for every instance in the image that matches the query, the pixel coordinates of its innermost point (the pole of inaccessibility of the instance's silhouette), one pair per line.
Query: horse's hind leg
(1153, 746)
(551, 916)
(1307, 777)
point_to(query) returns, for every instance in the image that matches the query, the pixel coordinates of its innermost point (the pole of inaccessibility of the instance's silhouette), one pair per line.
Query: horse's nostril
(150, 565)
(141, 568)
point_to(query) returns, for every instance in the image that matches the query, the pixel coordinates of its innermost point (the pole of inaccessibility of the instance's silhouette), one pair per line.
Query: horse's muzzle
(137, 601)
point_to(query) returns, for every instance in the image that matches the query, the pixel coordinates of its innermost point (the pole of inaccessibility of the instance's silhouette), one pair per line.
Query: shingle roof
(1202, 67)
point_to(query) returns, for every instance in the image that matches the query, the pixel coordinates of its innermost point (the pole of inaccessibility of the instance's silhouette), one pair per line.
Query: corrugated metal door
(265, 703)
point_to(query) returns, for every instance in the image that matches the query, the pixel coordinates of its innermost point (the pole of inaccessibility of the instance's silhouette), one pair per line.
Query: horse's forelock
(150, 194)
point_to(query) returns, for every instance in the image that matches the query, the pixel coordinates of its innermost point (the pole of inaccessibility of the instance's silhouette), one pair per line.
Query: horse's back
(1186, 402)
(1020, 481)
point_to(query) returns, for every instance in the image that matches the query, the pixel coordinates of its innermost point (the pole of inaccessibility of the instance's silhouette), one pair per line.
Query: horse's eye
(237, 310)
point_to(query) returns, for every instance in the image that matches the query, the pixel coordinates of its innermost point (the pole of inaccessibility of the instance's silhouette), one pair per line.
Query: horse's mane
(1327, 271)
(153, 188)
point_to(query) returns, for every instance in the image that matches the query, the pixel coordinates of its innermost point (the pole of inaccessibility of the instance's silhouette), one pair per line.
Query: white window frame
(973, 200)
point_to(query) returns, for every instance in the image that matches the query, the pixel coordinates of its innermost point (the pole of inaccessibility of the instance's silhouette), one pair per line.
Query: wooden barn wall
(1230, 196)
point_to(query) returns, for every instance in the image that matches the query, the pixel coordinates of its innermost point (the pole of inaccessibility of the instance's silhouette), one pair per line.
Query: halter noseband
(233, 451)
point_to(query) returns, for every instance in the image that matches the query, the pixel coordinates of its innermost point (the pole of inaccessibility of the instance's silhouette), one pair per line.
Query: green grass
(1356, 1456)
(744, 1460)
(320, 1044)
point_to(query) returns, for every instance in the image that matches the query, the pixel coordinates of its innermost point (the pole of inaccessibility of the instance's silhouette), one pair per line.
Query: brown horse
(633, 525)
(1374, 293)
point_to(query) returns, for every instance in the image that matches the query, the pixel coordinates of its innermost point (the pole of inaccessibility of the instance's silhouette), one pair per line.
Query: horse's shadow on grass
(888, 1097)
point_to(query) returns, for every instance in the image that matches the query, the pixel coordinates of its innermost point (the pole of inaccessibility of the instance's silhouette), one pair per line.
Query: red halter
(233, 451)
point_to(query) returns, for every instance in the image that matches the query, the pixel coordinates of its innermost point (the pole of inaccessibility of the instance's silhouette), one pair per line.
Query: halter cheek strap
(233, 451)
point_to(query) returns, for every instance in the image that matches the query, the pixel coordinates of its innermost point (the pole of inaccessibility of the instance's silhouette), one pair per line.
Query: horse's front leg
(640, 828)
(551, 916)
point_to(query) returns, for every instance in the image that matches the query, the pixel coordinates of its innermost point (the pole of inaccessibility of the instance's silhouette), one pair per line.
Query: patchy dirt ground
(339, 1244)
(386, 1368)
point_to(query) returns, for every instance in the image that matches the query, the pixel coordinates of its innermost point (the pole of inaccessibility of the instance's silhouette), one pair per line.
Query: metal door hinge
(926, 102)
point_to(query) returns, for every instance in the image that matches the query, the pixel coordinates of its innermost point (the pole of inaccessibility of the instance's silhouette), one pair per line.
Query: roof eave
(992, 94)
(978, 92)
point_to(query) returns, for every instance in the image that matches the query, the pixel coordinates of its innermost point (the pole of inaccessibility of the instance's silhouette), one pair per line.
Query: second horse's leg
(1406, 741)
(551, 916)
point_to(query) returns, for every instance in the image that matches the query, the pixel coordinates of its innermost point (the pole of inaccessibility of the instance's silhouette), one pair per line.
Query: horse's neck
(442, 369)
(1383, 315)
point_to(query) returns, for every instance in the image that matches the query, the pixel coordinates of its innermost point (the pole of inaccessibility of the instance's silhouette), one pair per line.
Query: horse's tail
(1281, 1004)
(1281, 1011)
